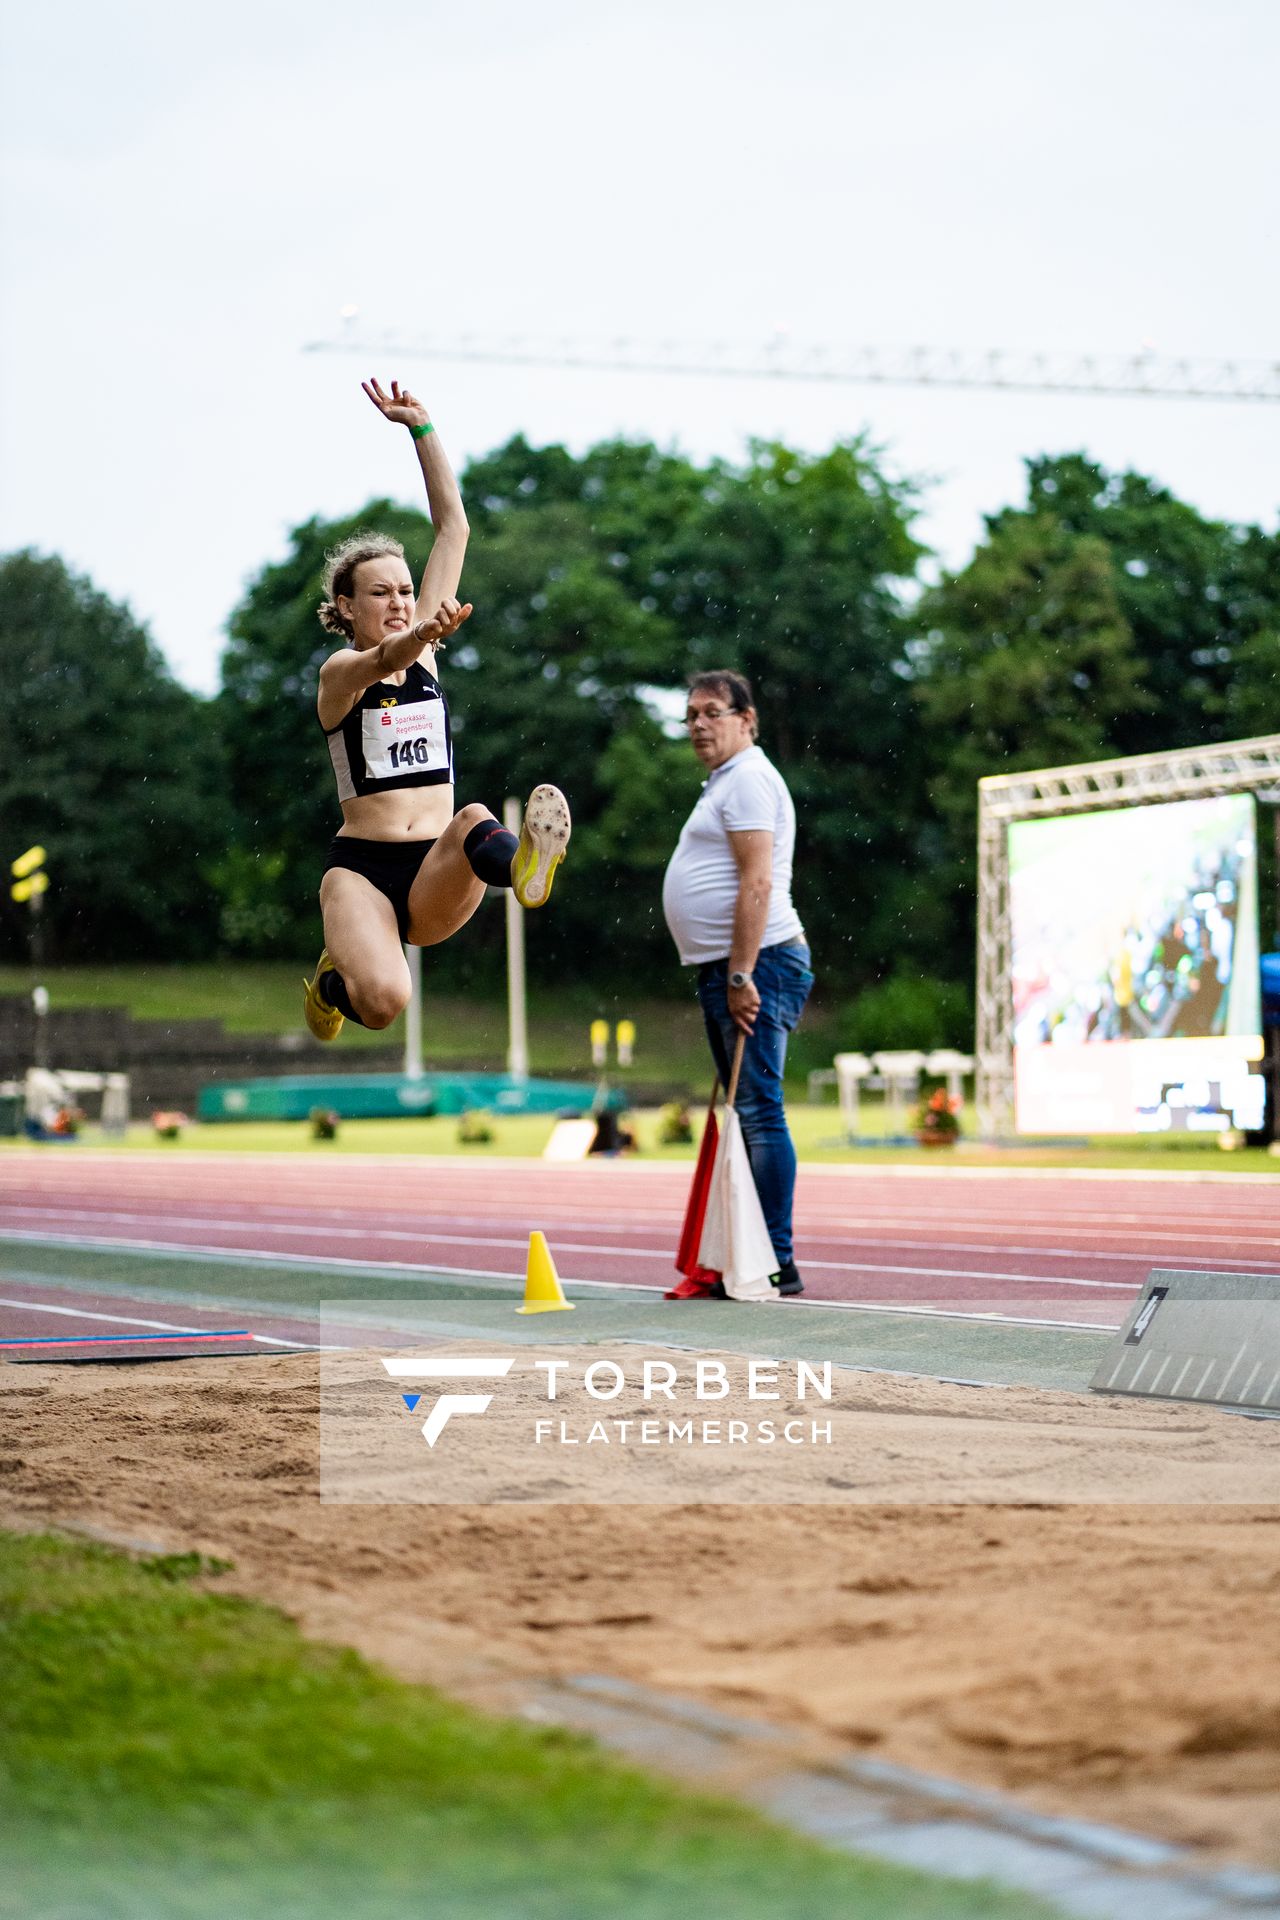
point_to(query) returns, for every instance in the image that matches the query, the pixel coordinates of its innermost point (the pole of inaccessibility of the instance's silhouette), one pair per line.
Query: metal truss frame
(1148, 375)
(1237, 766)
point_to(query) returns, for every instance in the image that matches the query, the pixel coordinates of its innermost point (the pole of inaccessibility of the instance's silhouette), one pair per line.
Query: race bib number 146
(400, 740)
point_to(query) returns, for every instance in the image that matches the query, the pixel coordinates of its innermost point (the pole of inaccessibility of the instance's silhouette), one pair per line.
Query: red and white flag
(735, 1239)
(696, 1280)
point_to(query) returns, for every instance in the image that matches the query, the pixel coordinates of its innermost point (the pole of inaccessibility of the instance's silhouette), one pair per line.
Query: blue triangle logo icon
(411, 1400)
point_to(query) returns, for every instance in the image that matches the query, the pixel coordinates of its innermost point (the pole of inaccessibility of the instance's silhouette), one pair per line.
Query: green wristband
(421, 432)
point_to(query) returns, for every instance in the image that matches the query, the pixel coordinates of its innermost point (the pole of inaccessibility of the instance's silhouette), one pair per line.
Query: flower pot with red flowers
(937, 1122)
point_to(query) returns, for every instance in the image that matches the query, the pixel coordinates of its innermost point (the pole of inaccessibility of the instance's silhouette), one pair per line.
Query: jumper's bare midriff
(410, 813)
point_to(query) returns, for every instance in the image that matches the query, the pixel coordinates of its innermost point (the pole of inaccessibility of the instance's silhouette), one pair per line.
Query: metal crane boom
(1148, 375)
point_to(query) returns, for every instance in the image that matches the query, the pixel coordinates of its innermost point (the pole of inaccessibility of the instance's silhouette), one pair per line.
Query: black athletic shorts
(389, 865)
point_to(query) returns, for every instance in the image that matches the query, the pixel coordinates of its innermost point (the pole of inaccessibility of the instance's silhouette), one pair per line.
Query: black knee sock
(490, 848)
(333, 988)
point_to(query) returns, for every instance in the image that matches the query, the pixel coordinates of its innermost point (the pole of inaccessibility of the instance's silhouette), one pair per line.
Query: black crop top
(394, 737)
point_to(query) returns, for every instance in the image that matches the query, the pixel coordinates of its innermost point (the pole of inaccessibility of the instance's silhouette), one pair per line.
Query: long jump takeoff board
(1209, 1337)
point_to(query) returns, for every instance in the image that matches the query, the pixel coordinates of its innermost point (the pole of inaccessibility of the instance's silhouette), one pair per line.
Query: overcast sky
(192, 195)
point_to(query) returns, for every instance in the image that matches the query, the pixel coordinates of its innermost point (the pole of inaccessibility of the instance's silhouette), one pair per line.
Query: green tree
(1195, 594)
(599, 583)
(1253, 692)
(1104, 617)
(546, 682)
(1029, 660)
(111, 765)
(1253, 699)
(792, 569)
(552, 685)
(1026, 661)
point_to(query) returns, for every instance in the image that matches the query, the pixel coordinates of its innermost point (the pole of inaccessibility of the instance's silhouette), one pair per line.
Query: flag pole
(732, 1094)
(695, 1279)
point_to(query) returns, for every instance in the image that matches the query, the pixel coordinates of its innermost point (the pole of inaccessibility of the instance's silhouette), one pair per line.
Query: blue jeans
(783, 978)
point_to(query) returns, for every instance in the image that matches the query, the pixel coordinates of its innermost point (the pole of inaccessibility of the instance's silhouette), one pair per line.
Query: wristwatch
(739, 979)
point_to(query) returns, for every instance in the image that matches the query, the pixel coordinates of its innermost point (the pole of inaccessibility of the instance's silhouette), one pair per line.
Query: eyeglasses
(709, 713)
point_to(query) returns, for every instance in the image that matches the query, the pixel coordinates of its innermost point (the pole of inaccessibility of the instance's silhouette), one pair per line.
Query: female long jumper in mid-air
(403, 865)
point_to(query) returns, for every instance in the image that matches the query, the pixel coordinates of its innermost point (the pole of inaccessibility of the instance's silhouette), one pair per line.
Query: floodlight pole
(30, 883)
(517, 1027)
(39, 992)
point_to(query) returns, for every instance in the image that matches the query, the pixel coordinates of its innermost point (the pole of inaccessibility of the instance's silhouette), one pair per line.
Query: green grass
(249, 996)
(173, 1752)
(264, 997)
(817, 1131)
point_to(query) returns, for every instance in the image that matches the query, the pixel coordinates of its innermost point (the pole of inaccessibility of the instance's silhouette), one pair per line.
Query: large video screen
(1136, 981)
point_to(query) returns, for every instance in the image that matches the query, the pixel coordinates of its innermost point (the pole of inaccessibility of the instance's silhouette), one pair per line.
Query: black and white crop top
(394, 737)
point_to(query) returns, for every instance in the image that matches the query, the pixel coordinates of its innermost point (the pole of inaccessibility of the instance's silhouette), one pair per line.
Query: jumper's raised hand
(398, 406)
(447, 618)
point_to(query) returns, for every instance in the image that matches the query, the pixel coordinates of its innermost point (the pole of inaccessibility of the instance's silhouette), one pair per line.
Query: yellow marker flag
(27, 863)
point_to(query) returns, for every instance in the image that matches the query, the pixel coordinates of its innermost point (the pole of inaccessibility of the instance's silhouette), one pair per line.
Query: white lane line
(973, 1273)
(1216, 1231)
(231, 1256)
(260, 1256)
(1156, 1255)
(83, 1313)
(134, 1320)
(1168, 1246)
(857, 1208)
(139, 1160)
(589, 1194)
(300, 1346)
(372, 1235)
(399, 1219)
(424, 1237)
(605, 1195)
(1159, 1251)
(955, 1313)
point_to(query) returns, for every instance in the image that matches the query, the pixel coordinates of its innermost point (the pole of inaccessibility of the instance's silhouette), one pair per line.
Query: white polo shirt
(700, 889)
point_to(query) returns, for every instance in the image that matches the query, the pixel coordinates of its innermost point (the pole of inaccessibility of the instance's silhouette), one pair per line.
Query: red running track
(1035, 1245)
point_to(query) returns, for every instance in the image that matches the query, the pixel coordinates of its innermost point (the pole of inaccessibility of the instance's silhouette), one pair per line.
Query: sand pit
(1118, 1661)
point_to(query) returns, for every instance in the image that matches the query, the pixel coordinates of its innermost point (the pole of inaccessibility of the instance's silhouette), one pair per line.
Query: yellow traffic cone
(542, 1290)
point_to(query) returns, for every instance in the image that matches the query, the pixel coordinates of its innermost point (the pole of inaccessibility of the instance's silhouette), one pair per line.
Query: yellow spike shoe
(543, 839)
(324, 1021)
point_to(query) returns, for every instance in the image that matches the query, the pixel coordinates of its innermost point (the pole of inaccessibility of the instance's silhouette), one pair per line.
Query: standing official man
(727, 901)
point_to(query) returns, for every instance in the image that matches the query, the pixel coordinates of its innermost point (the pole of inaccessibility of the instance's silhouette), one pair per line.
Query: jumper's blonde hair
(340, 574)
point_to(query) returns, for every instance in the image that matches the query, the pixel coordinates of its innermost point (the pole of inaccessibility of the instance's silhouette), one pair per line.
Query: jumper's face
(716, 730)
(380, 604)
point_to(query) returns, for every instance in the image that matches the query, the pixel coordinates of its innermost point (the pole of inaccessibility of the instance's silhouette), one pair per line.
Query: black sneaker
(787, 1280)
